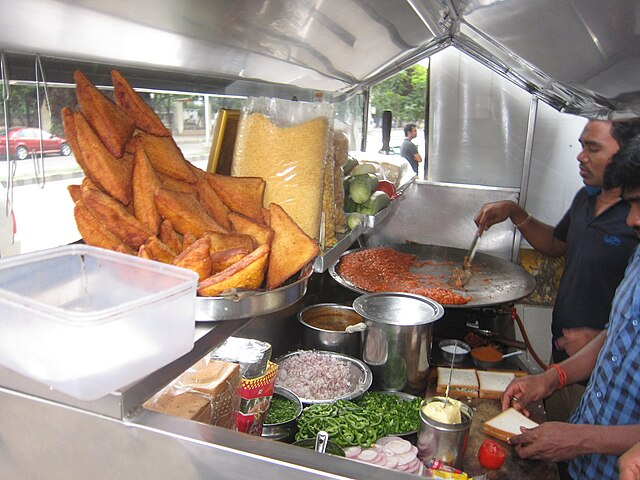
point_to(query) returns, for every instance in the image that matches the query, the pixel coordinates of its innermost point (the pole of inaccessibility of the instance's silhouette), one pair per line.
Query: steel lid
(397, 308)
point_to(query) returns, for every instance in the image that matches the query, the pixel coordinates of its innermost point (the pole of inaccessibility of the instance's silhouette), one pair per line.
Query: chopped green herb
(280, 410)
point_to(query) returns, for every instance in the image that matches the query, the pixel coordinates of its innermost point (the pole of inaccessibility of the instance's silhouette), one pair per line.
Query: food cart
(562, 56)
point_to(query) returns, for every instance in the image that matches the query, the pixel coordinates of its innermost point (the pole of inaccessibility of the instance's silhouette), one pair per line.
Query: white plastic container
(87, 321)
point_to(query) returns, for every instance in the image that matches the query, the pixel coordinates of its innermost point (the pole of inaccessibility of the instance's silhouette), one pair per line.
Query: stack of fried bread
(141, 196)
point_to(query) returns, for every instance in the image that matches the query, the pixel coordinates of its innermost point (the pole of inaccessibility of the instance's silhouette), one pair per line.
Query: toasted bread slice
(158, 251)
(291, 248)
(109, 173)
(115, 217)
(196, 258)
(176, 185)
(111, 124)
(185, 213)
(144, 183)
(74, 192)
(225, 241)
(248, 273)
(170, 237)
(136, 108)
(166, 157)
(224, 259)
(69, 126)
(507, 424)
(241, 194)
(243, 224)
(94, 232)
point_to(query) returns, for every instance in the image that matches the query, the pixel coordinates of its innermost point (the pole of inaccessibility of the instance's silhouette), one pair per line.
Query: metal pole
(526, 171)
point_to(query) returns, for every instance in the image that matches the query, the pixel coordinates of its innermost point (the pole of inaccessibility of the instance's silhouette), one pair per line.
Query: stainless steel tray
(494, 281)
(332, 255)
(359, 374)
(249, 304)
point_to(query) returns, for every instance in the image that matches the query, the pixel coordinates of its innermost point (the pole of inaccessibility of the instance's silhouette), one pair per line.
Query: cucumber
(362, 186)
(362, 169)
(375, 203)
(354, 219)
(349, 205)
(347, 167)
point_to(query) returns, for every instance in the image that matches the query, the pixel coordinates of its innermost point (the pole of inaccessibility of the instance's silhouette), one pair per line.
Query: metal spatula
(453, 360)
(461, 275)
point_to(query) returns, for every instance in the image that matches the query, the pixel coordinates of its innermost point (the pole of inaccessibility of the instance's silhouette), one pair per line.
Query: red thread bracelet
(562, 375)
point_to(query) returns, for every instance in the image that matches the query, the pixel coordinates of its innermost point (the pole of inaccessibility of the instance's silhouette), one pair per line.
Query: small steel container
(397, 341)
(443, 441)
(324, 328)
(284, 431)
(448, 346)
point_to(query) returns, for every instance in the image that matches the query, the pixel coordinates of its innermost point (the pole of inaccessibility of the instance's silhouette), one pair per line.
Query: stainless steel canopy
(579, 56)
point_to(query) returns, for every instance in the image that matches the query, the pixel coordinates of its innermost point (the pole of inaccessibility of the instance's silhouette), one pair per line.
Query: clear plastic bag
(286, 143)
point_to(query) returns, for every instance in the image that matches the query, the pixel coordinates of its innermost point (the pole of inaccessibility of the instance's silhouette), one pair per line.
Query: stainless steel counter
(44, 434)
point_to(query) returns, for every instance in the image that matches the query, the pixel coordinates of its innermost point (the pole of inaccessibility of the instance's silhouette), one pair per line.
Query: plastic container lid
(397, 308)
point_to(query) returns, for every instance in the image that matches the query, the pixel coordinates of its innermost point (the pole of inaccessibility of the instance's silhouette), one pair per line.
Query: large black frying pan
(494, 281)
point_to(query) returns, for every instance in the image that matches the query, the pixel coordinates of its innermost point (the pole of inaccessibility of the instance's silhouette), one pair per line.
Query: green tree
(404, 94)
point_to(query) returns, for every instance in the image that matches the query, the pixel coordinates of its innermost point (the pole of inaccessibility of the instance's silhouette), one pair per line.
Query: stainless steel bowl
(285, 430)
(250, 303)
(462, 350)
(323, 328)
(360, 376)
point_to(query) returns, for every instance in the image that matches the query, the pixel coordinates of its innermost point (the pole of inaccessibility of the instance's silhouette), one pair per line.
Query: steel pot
(324, 328)
(397, 341)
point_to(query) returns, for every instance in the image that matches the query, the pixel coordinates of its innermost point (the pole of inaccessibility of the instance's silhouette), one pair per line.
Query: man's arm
(538, 234)
(532, 388)
(579, 366)
(558, 441)
(417, 157)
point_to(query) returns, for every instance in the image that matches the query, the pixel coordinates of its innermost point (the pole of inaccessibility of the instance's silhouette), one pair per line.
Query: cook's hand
(524, 390)
(629, 463)
(495, 212)
(552, 441)
(574, 339)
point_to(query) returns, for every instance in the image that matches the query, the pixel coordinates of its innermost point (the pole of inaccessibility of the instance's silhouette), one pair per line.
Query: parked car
(25, 140)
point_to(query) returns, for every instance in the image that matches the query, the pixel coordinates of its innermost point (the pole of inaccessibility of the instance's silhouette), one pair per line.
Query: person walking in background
(409, 151)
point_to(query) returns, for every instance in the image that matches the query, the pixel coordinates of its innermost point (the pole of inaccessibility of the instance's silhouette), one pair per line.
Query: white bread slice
(464, 382)
(507, 424)
(492, 384)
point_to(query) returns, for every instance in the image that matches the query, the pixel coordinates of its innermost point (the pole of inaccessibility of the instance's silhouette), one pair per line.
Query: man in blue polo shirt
(607, 420)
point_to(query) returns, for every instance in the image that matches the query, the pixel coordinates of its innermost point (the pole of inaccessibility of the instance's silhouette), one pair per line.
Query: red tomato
(388, 188)
(491, 455)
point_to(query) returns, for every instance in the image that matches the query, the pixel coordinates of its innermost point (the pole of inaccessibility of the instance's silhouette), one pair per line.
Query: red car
(25, 140)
